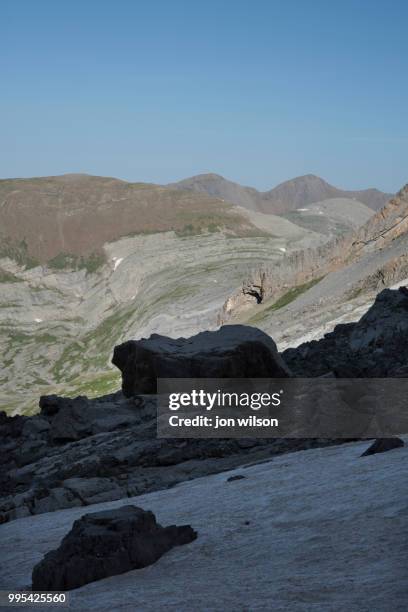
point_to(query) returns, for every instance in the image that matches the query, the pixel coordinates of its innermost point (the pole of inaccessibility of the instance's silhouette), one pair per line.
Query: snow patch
(401, 283)
(117, 262)
(321, 529)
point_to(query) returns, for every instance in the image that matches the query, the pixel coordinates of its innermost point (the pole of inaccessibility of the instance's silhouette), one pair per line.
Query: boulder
(234, 351)
(382, 445)
(105, 544)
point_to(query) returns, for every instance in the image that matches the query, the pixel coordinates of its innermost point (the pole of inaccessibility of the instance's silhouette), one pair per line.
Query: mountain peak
(285, 197)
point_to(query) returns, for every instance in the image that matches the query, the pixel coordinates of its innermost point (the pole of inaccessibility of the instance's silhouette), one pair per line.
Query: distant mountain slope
(59, 322)
(112, 272)
(290, 195)
(308, 189)
(219, 187)
(332, 217)
(372, 257)
(41, 218)
(353, 212)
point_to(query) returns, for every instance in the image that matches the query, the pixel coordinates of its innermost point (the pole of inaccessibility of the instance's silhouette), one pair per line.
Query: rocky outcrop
(301, 267)
(234, 351)
(117, 455)
(385, 226)
(105, 544)
(374, 347)
(393, 270)
(382, 445)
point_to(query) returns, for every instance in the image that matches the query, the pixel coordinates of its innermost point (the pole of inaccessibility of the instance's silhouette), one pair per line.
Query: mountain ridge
(285, 197)
(75, 215)
(68, 218)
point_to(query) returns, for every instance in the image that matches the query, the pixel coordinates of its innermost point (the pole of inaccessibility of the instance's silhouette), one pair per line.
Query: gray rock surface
(58, 327)
(105, 544)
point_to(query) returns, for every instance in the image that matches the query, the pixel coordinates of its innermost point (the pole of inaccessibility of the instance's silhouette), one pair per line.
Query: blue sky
(258, 91)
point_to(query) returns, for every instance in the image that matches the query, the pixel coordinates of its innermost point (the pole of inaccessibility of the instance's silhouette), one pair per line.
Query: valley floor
(321, 530)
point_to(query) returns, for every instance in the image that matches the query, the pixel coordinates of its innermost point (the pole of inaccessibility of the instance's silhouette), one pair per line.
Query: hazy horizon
(121, 178)
(257, 92)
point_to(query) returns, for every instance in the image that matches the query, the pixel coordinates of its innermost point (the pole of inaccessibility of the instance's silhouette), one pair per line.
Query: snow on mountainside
(321, 530)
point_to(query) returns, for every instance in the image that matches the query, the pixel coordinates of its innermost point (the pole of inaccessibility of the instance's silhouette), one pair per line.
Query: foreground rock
(382, 445)
(234, 351)
(105, 544)
(106, 449)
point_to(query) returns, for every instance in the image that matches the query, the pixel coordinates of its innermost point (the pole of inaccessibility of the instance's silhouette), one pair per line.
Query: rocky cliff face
(383, 235)
(384, 227)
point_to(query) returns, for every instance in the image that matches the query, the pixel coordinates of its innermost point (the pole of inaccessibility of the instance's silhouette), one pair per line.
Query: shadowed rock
(374, 347)
(117, 455)
(237, 477)
(234, 351)
(381, 445)
(105, 544)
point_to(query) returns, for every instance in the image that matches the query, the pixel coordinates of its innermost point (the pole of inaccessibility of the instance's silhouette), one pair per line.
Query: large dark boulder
(234, 351)
(382, 445)
(105, 544)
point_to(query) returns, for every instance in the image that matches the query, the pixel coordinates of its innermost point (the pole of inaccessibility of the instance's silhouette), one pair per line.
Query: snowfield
(320, 530)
